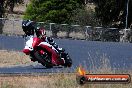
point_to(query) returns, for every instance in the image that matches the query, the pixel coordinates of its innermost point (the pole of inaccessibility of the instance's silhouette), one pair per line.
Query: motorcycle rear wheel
(68, 60)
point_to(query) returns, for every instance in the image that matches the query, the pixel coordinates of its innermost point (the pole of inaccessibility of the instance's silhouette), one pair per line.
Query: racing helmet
(28, 27)
(41, 32)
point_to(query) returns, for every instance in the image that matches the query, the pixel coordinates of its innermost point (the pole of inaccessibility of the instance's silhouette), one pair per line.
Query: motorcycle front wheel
(44, 59)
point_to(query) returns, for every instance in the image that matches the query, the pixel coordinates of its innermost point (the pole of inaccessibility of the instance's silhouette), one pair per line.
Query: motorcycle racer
(30, 29)
(41, 33)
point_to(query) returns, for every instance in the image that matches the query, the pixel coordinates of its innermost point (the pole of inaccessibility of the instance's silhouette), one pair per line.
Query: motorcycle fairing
(26, 51)
(51, 50)
(31, 43)
(47, 44)
(36, 42)
(28, 45)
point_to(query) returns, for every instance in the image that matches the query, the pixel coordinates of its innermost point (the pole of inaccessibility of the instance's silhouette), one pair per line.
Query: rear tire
(68, 60)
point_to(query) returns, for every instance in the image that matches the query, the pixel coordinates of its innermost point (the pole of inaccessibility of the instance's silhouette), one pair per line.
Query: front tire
(44, 59)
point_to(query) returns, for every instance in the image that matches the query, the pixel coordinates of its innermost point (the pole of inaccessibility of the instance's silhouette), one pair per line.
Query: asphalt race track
(86, 53)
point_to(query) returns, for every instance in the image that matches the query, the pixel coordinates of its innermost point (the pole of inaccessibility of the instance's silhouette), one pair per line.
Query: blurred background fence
(13, 27)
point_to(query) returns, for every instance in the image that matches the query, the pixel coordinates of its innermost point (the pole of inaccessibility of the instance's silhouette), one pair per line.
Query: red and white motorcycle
(45, 53)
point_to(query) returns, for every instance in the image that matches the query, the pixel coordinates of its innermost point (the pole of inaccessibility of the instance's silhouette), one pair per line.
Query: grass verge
(11, 58)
